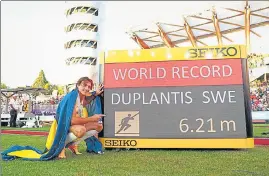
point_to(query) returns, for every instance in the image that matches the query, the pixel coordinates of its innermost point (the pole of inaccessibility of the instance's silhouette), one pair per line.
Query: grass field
(45, 128)
(140, 163)
(258, 129)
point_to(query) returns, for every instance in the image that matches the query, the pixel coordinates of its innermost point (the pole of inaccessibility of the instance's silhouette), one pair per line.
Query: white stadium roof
(214, 25)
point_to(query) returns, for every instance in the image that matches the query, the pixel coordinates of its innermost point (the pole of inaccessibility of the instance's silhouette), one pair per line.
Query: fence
(39, 109)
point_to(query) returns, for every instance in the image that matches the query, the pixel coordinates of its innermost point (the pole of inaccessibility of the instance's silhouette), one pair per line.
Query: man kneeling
(83, 126)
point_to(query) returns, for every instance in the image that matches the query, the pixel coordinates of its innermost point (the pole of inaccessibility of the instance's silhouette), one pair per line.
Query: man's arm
(82, 121)
(11, 104)
(78, 120)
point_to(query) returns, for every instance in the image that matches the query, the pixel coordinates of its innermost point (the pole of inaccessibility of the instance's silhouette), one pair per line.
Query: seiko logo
(222, 52)
(121, 143)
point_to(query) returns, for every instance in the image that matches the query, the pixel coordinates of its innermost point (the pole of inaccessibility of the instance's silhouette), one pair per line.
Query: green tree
(40, 81)
(47, 86)
(4, 86)
(60, 90)
(52, 88)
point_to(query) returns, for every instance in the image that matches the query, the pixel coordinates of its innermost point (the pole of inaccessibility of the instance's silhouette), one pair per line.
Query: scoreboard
(177, 98)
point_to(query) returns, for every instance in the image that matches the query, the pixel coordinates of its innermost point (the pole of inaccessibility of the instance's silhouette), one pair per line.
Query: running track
(25, 132)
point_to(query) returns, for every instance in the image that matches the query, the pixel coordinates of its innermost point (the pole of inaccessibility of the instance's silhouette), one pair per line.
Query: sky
(32, 34)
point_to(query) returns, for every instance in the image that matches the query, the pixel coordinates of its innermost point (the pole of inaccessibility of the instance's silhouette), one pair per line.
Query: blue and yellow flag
(57, 134)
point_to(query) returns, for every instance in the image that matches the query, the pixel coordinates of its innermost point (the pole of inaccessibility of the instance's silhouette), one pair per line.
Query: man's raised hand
(97, 117)
(100, 89)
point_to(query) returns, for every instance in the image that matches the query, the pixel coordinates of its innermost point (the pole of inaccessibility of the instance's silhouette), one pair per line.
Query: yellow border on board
(180, 143)
(101, 57)
(166, 54)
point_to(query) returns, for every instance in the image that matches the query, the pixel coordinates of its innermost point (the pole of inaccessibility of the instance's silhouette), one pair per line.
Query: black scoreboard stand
(246, 88)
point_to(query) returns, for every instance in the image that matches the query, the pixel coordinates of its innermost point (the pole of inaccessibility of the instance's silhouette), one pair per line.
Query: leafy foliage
(40, 81)
(47, 86)
(60, 90)
(4, 86)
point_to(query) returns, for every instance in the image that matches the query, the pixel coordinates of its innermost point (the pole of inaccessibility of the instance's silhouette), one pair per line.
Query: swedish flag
(57, 134)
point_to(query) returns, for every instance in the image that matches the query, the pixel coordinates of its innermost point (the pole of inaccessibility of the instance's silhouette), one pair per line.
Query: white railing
(82, 18)
(260, 115)
(71, 4)
(81, 52)
(81, 35)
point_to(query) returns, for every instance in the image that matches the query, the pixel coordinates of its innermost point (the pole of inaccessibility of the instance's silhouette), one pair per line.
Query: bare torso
(80, 130)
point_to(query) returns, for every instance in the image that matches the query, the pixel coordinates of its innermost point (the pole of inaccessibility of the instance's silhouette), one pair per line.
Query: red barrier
(261, 141)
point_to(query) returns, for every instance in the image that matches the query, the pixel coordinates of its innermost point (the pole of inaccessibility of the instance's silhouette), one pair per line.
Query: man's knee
(81, 131)
(99, 127)
(78, 131)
